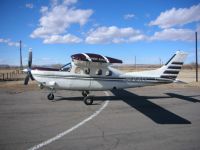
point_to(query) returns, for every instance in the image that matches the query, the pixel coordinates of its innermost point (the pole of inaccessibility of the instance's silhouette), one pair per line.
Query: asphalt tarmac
(160, 117)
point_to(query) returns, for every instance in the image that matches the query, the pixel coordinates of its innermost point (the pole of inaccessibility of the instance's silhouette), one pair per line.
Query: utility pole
(196, 58)
(20, 48)
(135, 62)
(160, 61)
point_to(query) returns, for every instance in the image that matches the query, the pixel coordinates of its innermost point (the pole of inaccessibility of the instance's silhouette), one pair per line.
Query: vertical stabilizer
(172, 68)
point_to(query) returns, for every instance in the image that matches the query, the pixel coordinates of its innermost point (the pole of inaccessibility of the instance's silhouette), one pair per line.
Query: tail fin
(169, 71)
(172, 68)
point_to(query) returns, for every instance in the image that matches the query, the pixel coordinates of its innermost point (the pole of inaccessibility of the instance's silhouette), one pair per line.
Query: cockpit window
(67, 67)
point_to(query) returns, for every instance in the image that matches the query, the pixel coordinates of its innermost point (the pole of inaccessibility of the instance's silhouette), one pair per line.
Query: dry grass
(18, 86)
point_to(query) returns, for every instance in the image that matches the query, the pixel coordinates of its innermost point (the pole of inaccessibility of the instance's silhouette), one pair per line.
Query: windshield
(66, 67)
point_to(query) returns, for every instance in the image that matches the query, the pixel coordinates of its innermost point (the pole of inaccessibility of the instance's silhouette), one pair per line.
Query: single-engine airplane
(92, 72)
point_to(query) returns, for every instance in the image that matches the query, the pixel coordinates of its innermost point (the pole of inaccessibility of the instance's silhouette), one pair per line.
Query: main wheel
(50, 96)
(85, 93)
(88, 100)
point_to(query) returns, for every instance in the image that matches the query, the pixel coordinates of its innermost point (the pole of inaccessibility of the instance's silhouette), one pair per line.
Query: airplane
(93, 72)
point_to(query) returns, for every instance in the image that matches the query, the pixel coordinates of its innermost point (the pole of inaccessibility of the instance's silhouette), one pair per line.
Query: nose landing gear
(50, 96)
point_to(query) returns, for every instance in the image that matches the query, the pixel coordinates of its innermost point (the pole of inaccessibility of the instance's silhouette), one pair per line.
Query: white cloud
(69, 2)
(113, 34)
(172, 34)
(179, 16)
(9, 42)
(57, 19)
(44, 9)
(62, 39)
(129, 16)
(16, 44)
(198, 28)
(29, 5)
(4, 40)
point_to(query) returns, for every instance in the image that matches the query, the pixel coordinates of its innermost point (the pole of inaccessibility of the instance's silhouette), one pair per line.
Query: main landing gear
(88, 100)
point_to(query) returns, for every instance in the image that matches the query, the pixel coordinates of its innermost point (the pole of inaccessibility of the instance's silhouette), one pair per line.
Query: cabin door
(80, 82)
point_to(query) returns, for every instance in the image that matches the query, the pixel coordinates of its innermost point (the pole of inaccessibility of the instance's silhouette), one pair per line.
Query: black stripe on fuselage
(78, 76)
(171, 72)
(168, 77)
(133, 79)
(177, 63)
(174, 67)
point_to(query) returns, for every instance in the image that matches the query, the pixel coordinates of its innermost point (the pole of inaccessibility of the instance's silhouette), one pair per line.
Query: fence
(12, 76)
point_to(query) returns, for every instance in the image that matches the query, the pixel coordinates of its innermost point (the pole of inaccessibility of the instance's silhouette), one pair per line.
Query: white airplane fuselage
(64, 80)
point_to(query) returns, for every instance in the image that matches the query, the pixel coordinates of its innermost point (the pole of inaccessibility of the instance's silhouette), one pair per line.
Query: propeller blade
(30, 58)
(28, 70)
(30, 75)
(26, 79)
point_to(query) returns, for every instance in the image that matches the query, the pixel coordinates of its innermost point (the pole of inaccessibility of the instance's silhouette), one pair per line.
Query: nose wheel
(50, 96)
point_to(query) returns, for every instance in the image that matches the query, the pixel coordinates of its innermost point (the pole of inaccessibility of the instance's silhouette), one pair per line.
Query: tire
(50, 96)
(88, 100)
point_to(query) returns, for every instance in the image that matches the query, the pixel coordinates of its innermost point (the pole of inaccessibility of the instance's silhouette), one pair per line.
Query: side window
(66, 67)
(78, 70)
(108, 73)
(87, 70)
(98, 72)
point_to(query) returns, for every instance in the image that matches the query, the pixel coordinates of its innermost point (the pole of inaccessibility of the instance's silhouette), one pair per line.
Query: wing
(89, 59)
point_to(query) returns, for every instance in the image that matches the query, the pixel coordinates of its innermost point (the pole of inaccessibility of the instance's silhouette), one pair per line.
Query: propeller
(28, 70)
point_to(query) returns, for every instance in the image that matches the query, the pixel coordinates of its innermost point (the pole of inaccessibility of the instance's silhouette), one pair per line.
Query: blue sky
(56, 29)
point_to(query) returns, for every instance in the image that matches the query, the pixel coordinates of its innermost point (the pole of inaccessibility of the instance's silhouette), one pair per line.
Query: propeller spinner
(28, 70)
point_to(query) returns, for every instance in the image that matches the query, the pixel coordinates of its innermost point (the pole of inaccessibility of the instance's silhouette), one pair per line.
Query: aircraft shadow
(141, 103)
(153, 111)
(182, 97)
(96, 98)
